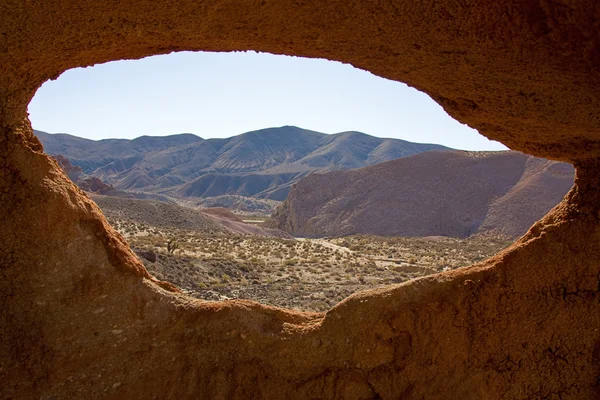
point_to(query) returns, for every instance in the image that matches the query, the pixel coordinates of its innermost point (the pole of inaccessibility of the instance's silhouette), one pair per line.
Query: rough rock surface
(450, 193)
(81, 318)
(88, 183)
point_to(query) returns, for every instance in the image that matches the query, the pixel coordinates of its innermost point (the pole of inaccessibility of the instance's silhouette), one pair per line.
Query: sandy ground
(304, 274)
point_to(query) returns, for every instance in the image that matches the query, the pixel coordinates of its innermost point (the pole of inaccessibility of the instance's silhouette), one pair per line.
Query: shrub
(172, 245)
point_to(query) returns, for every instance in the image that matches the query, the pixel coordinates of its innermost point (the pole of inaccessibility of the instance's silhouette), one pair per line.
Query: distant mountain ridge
(450, 193)
(261, 164)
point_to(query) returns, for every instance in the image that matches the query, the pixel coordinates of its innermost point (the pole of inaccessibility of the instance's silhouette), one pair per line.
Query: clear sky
(225, 94)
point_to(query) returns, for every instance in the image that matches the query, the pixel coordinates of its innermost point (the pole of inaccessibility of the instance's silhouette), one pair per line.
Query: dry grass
(304, 274)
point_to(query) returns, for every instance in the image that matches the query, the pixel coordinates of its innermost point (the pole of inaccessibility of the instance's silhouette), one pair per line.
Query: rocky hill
(88, 183)
(261, 164)
(161, 214)
(449, 193)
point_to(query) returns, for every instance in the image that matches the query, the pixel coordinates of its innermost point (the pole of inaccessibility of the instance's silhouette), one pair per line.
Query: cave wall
(81, 317)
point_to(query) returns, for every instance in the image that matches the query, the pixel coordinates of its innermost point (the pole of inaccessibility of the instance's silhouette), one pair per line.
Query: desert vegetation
(304, 274)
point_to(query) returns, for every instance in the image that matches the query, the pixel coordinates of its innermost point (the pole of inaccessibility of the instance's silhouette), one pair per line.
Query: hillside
(167, 215)
(435, 193)
(261, 164)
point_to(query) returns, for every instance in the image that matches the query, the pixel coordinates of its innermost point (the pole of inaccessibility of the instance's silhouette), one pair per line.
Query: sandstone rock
(72, 171)
(95, 185)
(526, 325)
(87, 183)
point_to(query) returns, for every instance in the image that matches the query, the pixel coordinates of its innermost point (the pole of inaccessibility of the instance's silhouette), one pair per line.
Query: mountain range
(436, 193)
(261, 164)
(341, 184)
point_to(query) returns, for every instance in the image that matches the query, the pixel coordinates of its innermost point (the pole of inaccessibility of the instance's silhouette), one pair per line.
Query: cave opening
(81, 317)
(201, 213)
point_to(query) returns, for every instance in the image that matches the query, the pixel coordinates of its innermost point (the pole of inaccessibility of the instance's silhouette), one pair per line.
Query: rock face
(87, 183)
(81, 317)
(73, 172)
(430, 194)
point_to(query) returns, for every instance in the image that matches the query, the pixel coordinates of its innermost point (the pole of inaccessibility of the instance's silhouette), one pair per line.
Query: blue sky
(225, 94)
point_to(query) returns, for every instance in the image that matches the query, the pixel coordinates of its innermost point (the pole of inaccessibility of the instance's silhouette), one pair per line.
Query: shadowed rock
(81, 317)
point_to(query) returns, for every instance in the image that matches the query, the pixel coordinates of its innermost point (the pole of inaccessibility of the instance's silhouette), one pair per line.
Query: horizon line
(252, 131)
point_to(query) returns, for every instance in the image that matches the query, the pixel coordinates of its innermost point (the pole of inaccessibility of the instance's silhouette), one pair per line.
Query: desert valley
(302, 220)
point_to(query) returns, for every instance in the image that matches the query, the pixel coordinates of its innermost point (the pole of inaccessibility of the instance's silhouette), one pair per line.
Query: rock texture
(456, 194)
(81, 318)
